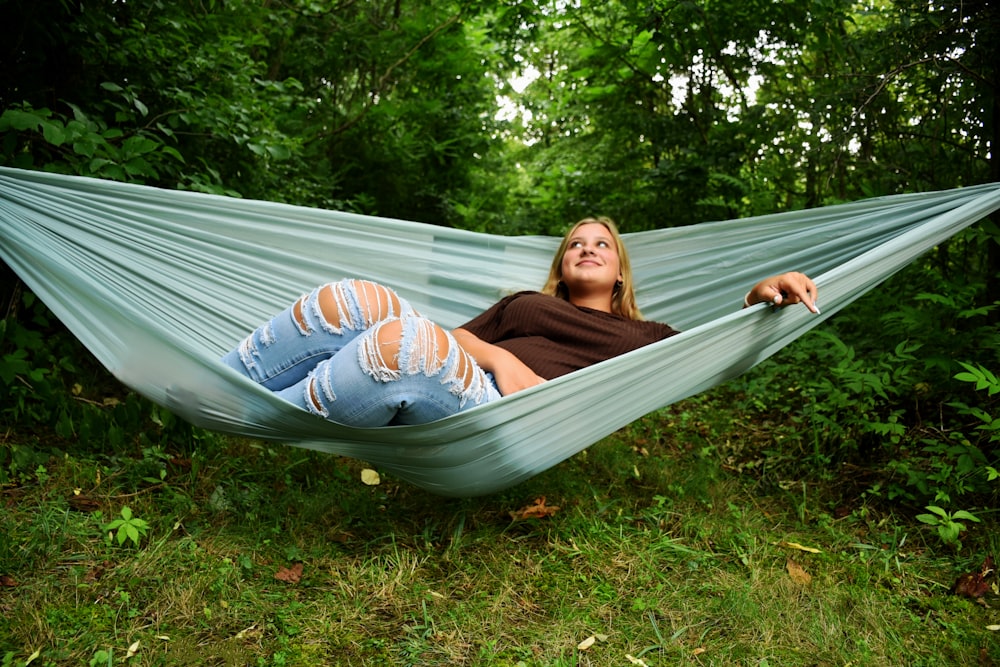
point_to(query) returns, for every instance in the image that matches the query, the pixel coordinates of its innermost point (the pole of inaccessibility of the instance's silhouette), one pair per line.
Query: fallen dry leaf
(799, 547)
(975, 584)
(537, 510)
(797, 574)
(993, 628)
(370, 477)
(95, 573)
(291, 575)
(132, 650)
(7, 581)
(82, 503)
(639, 662)
(586, 643)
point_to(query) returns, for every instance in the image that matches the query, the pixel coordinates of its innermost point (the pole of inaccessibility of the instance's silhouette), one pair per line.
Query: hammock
(158, 284)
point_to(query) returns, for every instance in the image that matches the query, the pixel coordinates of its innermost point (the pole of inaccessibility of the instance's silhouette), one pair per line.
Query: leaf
(370, 477)
(975, 584)
(993, 628)
(279, 152)
(32, 657)
(7, 581)
(290, 575)
(639, 662)
(537, 510)
(796, 545)
(54, 133)
(95, 573)
(586, 643)
(798, 575)
(16, 119)
(132, 650)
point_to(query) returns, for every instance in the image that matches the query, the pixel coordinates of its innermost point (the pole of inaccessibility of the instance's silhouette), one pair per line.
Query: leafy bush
(876, 388)
(55, 397)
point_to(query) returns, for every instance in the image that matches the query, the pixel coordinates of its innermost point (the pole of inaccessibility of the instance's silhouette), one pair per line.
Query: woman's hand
(511, 374)
(784, 290)
(515, 376)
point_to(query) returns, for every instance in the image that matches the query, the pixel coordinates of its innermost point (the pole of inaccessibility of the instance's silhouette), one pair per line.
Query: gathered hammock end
(158, 284)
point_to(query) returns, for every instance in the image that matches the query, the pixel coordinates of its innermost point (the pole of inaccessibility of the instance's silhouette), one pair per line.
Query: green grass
(670, 547)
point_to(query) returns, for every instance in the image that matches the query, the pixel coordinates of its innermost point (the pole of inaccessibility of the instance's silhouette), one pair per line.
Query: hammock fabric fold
(158, 284)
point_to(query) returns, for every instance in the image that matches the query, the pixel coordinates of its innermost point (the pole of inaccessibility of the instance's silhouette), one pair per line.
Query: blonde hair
(623, 300)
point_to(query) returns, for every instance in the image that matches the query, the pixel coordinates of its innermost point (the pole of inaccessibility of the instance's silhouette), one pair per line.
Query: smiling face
(590, 266)
(587, 268)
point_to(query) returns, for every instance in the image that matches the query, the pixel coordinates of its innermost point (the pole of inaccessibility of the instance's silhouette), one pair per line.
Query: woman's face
(590, 262)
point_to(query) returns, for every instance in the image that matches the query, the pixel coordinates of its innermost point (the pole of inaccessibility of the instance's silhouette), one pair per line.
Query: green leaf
(54, 133)
(279, 152)
(949, 532)
(16, 119)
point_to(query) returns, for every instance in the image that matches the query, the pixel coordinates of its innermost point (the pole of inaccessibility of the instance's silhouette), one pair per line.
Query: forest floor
(691, 537)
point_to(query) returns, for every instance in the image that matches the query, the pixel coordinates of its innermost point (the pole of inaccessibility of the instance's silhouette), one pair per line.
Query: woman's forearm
(511, 374)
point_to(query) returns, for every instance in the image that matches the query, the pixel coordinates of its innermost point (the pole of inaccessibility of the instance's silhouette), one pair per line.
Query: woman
(357, 353)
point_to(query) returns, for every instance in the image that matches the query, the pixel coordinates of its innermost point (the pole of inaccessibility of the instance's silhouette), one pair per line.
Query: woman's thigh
(317, 326)
(402, 371)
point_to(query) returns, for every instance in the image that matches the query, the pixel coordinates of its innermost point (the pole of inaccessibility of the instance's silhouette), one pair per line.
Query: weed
(949, 524)
(127, 527)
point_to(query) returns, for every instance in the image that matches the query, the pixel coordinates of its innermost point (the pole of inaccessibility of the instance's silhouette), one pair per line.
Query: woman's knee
(350, 303)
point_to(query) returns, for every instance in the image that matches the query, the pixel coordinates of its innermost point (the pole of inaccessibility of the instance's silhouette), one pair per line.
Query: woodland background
(520, 117)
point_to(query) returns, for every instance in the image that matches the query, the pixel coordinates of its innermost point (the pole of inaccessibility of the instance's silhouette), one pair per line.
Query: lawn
(695, 536)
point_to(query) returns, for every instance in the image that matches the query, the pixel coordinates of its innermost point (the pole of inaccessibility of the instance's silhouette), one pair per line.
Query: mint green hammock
(158, 284)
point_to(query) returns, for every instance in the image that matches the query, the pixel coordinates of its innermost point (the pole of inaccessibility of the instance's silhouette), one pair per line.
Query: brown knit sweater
(553, 337)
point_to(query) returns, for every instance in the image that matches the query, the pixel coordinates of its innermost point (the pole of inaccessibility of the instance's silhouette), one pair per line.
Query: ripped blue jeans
(357, 353)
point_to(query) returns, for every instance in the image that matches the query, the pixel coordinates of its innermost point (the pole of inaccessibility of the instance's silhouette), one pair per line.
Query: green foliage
(34, 366)
(899, 410)
(101, 658)
(984, 381)
(949, 524)
(84, 145)
(847, 403)
(127, 527)
(56, 397)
